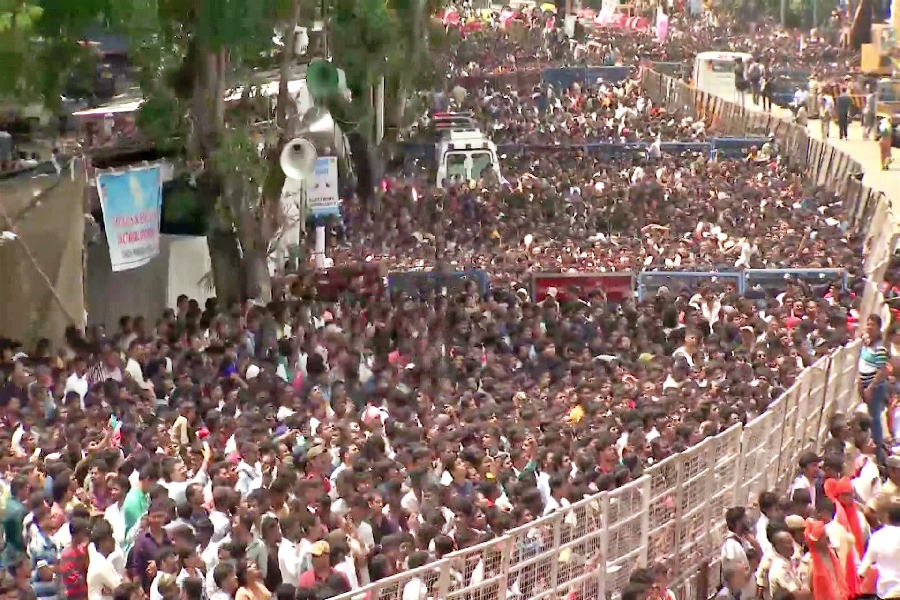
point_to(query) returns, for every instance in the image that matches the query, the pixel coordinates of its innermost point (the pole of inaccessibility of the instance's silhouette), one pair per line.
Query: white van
(464, 154)
(714, 72)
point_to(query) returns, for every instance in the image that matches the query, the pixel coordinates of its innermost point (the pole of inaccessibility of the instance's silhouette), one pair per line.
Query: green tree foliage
(186, 55)
(40, 49)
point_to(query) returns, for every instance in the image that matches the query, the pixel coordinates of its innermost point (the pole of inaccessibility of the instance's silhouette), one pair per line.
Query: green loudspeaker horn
(323, 80)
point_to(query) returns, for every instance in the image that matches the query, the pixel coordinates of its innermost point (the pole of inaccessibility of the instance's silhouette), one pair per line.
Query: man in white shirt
(102, 577)
(416, 588)
(293, 551)
(810, 465)
(883, 553)
(736, 544)
(557, 498)
(133, 365)
(769, 506)
(250, 475)
(77, 381)
(176, 476)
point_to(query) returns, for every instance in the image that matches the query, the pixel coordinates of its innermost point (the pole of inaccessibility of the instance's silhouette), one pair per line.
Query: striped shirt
(99, 373)
(872, 359)
(73, 566)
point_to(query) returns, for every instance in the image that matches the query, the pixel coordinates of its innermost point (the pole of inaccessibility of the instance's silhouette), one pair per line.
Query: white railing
(672, 515)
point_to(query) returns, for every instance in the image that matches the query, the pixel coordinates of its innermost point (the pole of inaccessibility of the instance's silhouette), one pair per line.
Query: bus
(714, 72)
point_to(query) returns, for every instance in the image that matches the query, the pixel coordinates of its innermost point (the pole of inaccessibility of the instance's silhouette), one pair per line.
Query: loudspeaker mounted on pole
(318, 135)
(324, 80)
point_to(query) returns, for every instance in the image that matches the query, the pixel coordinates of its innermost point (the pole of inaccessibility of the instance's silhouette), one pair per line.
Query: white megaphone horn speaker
(298, 159)
(318, 135)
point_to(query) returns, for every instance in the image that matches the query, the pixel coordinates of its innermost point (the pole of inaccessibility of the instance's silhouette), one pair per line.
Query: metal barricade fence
(674, 513)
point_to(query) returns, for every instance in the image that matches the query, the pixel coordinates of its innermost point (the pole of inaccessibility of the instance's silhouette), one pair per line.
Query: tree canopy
(185, 55)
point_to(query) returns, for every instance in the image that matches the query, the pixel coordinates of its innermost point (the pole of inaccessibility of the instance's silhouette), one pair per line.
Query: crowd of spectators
(305, 449)
(833, 535)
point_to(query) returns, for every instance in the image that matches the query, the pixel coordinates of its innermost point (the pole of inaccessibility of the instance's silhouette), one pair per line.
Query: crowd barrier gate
(674, 514)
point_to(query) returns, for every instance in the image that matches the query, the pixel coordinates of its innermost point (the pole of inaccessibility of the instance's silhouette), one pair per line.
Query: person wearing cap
(810, 472)
(317, 465)
(795, 525)
(321, 569)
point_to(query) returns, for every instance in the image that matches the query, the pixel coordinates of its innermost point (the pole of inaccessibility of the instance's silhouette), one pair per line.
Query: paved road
(865, 152)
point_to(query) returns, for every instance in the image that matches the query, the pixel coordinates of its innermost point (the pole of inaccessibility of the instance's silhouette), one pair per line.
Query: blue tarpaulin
(564, 77)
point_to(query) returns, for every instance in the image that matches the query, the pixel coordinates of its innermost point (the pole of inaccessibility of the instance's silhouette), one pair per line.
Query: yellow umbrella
(548, 7)
(486, 14)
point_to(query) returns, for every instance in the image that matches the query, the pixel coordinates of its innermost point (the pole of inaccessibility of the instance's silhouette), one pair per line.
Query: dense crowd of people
(306, 448)
(834, 535)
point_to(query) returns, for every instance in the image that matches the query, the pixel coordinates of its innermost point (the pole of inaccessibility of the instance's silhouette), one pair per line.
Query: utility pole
(784, 13)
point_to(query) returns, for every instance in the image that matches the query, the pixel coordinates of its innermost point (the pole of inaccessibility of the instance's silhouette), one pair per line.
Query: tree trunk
(227, 267)
(256, 273)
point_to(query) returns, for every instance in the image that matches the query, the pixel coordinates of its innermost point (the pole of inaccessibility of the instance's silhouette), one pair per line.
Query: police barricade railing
(673, 515)
(731, 147)
(735, 148)
(701, 105)
(878, 246)
(650, 282)
(798, 147)
(852, 197)
(825, 162)
(420, 284)
(839, 393)
(818, 152)
(616, 286)
(651, 84)
(870, 302)
(774, 279)
(868, 206)
(831, 170)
